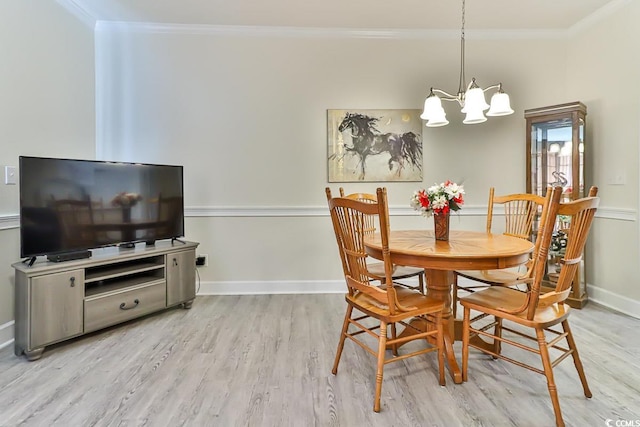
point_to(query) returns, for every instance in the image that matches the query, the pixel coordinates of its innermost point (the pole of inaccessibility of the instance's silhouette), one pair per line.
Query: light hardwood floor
(266, 361)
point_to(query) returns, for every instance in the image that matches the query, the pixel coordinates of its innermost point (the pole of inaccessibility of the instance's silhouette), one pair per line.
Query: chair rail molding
(9, 221)
(621, 214)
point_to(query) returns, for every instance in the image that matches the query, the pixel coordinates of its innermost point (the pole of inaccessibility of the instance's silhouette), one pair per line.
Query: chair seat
(399, 272)
(418, 302)
(497, 300)
(492, 277)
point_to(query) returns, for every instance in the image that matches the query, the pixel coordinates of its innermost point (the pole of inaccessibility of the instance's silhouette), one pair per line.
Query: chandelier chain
(462, 82)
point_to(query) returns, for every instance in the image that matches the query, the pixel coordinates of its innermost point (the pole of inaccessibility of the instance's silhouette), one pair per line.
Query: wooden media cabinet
(56, 301)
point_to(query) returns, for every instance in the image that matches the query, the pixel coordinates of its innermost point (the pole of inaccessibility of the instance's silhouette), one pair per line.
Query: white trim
(90, 19)
(79, 12)
(614, 301)
(621, 214)
(596, 17)
(9, 221)
(272, 287)
(317, 32)
(7, 334)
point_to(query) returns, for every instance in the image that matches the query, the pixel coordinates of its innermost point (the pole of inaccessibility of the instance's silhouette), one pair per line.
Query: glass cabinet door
(556, 157)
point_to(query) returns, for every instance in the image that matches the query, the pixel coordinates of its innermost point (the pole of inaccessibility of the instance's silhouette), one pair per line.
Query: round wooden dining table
(465, 250)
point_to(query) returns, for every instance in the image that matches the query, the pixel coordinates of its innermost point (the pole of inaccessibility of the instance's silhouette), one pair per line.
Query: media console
(56, 301)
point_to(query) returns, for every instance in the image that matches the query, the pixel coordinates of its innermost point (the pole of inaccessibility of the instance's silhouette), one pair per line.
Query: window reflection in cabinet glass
(553, 157)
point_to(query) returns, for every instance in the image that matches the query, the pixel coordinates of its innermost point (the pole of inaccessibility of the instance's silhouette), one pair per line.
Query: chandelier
(469, 97)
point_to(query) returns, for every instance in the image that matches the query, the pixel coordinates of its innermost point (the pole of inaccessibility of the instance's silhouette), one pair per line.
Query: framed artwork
(374, 145)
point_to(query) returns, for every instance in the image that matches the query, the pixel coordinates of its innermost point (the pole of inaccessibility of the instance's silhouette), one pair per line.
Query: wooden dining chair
(520, 213)
(377, 268)
(386, 304)
(534, 309)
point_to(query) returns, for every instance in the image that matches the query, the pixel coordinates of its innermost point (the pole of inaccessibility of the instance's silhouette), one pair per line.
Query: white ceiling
(352, 14)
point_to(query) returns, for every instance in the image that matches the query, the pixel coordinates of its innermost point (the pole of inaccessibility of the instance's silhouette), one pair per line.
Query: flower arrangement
(125, 199)
(438, 199)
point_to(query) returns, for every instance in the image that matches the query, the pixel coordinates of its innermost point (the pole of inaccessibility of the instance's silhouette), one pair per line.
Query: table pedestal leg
(439, 286)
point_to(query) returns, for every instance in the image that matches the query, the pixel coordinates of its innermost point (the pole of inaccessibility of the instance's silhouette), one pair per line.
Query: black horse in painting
(367, 141)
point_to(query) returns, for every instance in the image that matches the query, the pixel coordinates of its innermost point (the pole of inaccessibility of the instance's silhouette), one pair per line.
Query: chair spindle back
(352, 220)
(581, 213)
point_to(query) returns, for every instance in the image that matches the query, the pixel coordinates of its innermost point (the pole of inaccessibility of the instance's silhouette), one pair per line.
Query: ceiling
(352, 14)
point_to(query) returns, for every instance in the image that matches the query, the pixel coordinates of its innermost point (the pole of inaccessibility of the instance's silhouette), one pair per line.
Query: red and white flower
(439, 198)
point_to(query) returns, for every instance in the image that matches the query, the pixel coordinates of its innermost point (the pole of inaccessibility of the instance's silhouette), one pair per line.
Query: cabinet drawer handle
(123, 306)
(72, 279)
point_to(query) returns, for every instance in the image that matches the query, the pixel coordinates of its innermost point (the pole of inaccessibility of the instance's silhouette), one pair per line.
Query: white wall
(246, 115)
(605, 78)
(47, 108)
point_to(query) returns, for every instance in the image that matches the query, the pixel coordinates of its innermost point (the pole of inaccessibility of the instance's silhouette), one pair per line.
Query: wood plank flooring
(266, 361)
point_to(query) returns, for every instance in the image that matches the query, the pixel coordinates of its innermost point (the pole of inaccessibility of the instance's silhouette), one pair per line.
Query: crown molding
(76, 8)
(333, 33)
(79, 12)
(596, 17)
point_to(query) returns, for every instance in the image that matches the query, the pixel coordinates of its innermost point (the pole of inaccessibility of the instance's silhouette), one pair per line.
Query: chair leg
(576, 358)
(497, 344)
(343, 336)
(440, 347)
(466, 324)
(382, 345)
(548, 372)
(421, 282)
(394, 335)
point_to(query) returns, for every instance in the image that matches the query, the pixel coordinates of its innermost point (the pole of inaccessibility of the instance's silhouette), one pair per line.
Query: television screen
(71, 205)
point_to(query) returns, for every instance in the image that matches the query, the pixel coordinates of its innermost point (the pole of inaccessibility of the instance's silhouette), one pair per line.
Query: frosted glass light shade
(432, 108)
(438, 119)
(474, 100)
(500, 105)
(473, 117)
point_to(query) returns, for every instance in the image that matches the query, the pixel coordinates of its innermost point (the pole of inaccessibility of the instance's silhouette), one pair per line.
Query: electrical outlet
(618, 177)
(202, 261)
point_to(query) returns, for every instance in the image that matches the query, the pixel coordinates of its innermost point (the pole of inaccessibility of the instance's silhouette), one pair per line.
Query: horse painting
(402, 151)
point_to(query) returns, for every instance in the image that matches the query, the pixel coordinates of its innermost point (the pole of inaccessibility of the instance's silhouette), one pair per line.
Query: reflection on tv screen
(70, 205)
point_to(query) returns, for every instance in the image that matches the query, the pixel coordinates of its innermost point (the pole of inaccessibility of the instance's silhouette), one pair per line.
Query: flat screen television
(69, 206)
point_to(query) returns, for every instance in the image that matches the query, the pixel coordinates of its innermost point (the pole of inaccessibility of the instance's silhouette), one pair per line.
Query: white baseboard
(7, 334)
(614, 301)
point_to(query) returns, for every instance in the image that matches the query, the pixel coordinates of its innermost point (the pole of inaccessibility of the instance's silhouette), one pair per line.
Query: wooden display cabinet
(556, 146)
